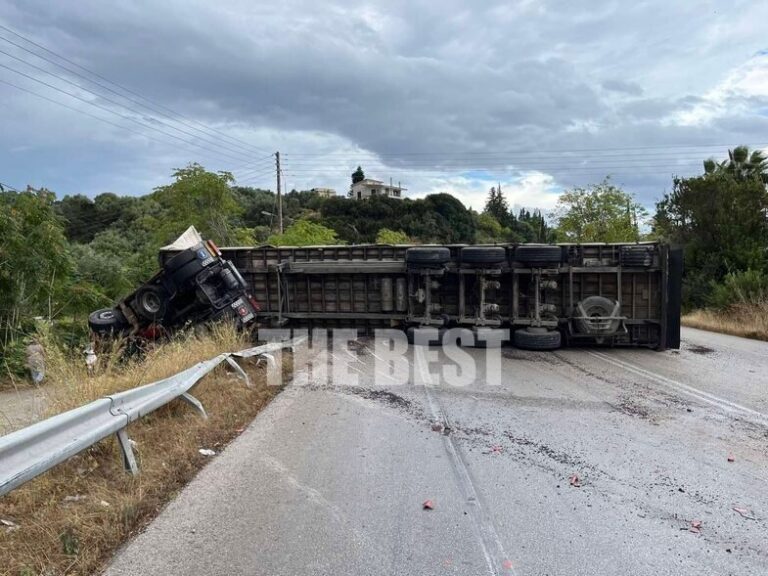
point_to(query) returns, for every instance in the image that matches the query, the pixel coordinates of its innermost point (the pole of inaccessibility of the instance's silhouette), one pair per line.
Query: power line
(521, 151)
(130, 119)
(123, 88)
(408, 163)
(4, 187)
(262, 166)
(481, 168)
(100, 119)
(134, 110)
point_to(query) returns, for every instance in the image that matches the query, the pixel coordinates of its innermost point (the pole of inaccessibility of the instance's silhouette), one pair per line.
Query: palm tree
(741, 163)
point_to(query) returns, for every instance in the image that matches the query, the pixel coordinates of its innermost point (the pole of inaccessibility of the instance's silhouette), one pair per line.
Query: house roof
(372, 182)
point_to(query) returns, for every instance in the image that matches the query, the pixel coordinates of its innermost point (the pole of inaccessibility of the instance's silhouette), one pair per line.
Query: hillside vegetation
(63, 257)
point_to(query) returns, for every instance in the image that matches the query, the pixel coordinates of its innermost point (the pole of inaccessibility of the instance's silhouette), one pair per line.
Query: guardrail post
(129, 460)
(240, 372)
(195, 403)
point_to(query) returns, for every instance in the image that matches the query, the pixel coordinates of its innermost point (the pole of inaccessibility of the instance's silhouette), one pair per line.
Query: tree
(304, 233)
(387, 236)
(535, 226)
(599, 213)
(497, 206)
(720, 219)
(358, 175)
(488, 229)
(741, 164)
(200, 198)
(35, 267)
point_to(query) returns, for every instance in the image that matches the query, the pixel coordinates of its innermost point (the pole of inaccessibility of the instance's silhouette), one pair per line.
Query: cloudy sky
(442, 96)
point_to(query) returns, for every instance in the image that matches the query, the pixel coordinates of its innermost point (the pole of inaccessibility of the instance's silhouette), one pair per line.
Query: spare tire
(427, 256)
(539, 254)
(537, 339)
(107, 320)
(483, 255)
(639, 256)
(588, 312)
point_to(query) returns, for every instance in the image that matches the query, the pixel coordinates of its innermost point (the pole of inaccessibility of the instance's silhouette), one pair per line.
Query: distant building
(369, 187)
(324, 192)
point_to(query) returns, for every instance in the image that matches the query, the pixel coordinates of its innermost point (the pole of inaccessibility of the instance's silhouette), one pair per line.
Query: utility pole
(279, 194)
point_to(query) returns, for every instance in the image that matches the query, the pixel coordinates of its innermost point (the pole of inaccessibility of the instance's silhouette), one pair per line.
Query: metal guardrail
(27, 453)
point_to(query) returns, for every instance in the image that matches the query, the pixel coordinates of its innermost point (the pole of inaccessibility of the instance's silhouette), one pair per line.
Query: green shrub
(746, 287)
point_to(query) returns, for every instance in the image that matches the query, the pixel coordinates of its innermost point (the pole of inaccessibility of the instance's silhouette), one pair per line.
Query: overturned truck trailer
(546, 295)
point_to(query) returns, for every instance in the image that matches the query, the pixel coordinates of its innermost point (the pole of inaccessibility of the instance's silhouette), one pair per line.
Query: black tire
(537, 339)
(107, 320)
(483, 255)
(637, 256)
(539, 254)
(427, 257)
(184, 275)
(180, 260)
(151, 302)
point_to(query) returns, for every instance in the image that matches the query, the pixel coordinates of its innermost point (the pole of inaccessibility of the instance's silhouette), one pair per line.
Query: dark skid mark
(700, 350)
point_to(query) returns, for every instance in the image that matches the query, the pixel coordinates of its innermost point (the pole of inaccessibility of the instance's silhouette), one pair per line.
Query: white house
(369, 187)
(324, 192)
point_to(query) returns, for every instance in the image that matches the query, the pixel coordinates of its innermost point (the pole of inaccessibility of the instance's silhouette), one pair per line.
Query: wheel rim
(151, 303)
(107, 315)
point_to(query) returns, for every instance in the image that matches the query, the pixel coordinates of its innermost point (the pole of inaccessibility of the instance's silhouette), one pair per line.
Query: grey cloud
(400, 77)
(623, 87)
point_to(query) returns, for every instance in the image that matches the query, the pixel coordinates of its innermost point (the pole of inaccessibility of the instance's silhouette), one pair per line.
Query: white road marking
(490, 543)
(726, 405)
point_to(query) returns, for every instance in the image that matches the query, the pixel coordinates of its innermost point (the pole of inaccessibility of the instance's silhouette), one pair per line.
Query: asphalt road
(331, 479)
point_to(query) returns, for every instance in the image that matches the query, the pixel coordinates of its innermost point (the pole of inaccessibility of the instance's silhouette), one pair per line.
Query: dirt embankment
(746, 320)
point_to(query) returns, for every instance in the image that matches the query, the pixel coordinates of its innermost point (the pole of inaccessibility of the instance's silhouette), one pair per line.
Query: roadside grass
(745, 320)
(71, 519)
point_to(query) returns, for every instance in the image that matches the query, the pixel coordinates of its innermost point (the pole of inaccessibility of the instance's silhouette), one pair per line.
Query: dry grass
(746, 320)
(72, 518)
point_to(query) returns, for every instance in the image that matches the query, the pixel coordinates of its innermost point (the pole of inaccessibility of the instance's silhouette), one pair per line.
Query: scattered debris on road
(744, 513)
(575, 481)
(428, 505)
(507, 565)
(731, 458)
(495, 449)
(207, 452)
(695, 526)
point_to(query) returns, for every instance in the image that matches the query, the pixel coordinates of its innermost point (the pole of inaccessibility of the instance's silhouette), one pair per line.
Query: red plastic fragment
(428, 505)
(731, 458)
(575, 480)
(695, 526)
(507, 565)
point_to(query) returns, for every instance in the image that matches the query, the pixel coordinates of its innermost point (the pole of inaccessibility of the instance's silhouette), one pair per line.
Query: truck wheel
(150, 302)
(483, 255)
(107, 320)
(539, 254)
(637, 256)
(593, 307)
(427, 257)
(537, 339)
